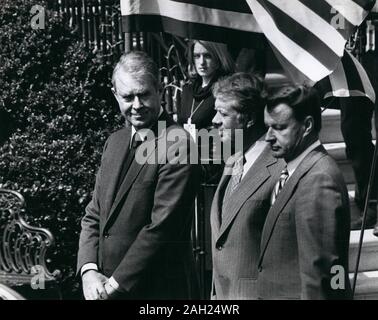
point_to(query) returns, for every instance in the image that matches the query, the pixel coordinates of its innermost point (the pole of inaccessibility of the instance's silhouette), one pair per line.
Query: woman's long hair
(219, 51)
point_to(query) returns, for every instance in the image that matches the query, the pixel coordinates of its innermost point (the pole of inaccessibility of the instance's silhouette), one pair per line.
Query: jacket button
(260, 268)
(106, 235)
(220, 247)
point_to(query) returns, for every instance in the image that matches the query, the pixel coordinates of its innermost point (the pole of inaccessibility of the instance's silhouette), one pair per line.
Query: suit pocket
(247, 289)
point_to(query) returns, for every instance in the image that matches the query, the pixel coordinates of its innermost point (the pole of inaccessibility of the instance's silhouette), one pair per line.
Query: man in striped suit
(241, 201)
(305, 240)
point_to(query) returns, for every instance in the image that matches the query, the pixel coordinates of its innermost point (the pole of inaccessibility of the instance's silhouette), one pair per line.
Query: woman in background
(208, 61)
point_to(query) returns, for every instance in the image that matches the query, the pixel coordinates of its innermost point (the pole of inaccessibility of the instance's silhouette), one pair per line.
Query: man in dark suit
(305, 240)
(135, 238)
(241, 201)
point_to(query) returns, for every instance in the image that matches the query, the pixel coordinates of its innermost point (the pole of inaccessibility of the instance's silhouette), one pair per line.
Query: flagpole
(372, 174)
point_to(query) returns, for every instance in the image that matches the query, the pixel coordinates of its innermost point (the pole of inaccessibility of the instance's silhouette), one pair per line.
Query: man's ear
(308, 125)
(115, 93)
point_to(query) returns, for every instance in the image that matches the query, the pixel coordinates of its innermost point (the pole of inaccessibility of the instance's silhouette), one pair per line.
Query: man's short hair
(138, 63)
(246, 90)
(303, 100)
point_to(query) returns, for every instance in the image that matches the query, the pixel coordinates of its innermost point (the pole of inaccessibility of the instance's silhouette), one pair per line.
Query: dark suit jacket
(141, 234)
(306, 233)
(236, 243)
(202, 116)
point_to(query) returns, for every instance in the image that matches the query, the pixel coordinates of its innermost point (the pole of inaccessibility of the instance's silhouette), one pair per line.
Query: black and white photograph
(188, 154)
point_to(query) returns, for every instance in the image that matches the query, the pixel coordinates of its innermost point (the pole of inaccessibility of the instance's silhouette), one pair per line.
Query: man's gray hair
(246, 90)
(137, 63)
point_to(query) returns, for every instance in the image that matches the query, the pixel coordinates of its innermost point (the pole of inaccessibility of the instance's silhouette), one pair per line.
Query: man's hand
(110, 290)
(94, 285)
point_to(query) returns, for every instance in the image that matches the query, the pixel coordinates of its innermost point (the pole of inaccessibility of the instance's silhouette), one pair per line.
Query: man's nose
(202, 60)
(269, 135)
(216, 121)
(137, 103)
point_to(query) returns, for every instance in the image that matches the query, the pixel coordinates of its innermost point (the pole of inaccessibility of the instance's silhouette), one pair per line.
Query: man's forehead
(126, 81)
(225, 103)
(281, 111)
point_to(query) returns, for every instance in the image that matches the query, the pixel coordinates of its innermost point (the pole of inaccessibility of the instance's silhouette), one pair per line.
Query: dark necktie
(135, 143)
(279, 185)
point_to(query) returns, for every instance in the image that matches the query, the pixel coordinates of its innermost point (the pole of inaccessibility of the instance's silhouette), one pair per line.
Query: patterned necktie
(279, 185)
(237, 173)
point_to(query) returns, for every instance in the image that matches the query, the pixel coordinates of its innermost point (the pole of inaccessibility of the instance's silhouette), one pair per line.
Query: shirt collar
(293, 164)
(259, 144)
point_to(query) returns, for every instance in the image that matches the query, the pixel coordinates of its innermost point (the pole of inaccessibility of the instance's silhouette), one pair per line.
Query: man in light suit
(305, 240)
(241, 201)
(135, 238)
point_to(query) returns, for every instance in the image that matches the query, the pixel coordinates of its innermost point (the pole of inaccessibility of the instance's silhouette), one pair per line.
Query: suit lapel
(119, 154)
(135, 167)
(255, 177)
(217, 202)
(287, 193)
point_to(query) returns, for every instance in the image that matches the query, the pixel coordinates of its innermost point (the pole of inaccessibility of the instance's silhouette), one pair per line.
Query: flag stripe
(348, 93)
(295, 31)
(339, 82)
(154, 23)
(192, 13)
(353, 12)
(329, 14)
(294, 53)
(375, 8)
(234, 5)
(367, 86)
(293, 73)
(352, 74)
(313, 23)
(367, 5)
(348, 80)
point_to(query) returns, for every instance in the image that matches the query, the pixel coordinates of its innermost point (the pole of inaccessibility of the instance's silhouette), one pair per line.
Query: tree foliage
(56, 110)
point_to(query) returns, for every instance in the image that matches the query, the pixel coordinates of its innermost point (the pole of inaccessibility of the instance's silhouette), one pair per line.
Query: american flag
(220, 21)
(307, 36)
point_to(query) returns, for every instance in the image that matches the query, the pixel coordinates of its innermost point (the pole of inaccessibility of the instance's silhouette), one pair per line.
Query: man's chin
(277, 153)
(139, 124)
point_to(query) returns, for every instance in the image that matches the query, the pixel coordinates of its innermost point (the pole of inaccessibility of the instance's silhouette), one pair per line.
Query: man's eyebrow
(136, 92)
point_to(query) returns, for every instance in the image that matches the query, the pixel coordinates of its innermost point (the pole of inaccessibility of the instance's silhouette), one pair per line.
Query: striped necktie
(279, 185)
(237, 173)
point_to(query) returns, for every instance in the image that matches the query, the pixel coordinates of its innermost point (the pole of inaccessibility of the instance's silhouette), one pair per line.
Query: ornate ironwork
(23, 247)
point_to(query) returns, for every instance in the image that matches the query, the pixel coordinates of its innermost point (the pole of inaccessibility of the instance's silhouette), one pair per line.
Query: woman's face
(204, 62)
